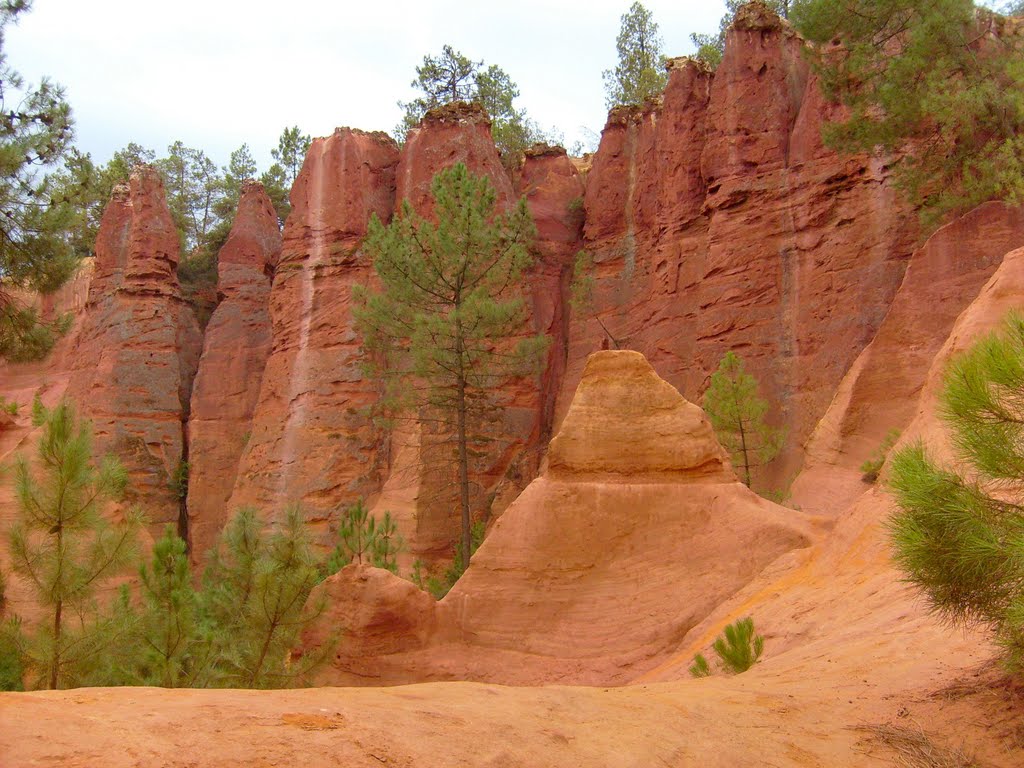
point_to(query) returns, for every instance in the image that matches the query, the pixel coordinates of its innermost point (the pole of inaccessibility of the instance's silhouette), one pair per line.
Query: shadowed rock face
(227, 385)
(639, 516)
(139, 345)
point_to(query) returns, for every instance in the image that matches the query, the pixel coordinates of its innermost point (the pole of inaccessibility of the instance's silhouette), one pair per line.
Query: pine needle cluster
(738, 648)
(958, 532)
(363, 539)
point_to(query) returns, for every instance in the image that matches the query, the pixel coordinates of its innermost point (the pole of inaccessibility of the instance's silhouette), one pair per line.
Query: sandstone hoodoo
(139, 346)
(638, 516)
(236, 346)
(311, 440)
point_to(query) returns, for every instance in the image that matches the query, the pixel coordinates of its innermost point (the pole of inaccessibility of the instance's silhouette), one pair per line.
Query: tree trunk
(460, 406)
(55, 662)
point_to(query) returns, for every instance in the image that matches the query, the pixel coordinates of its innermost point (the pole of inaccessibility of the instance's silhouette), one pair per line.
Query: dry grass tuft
(914, 748)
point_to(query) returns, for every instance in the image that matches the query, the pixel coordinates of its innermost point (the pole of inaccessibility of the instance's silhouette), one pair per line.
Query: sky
(219, 73)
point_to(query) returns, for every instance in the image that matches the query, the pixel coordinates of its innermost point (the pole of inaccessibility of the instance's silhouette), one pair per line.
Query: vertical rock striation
(227, 385)
(311, 440)
(139, 346)
(717, 221)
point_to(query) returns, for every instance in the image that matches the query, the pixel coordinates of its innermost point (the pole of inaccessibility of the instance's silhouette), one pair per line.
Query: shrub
(363, 539)
(873, 465)
(737, 648)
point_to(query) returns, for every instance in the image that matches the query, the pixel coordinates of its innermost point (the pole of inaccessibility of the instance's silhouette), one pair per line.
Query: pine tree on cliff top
(711, 48)
(737, 415)
(453, 77)
(938, 83)
(439, 332)
(640, 73)
(64, 547)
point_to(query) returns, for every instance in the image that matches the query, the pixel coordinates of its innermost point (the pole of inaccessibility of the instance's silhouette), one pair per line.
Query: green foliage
(957, 534)
(739, 648)
(711, 48)
(254, 603)
(737, 414)
(24, 336)
(362, 539)
(700, 666)
(64, 547)
(940, 78)
(440, 586)
(35, 132)
(452, 77)
(640, 73)
(12, 669)
(166, 647)
(873, 465)
(440, 332)
(292, 147)
(8, 407)
(179, 480)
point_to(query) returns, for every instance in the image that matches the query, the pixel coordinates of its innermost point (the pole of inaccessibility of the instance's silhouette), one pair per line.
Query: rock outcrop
(139, 346)
(236, 347)
(639, 516)
(717, 221)
(880, 392)
(311, 440)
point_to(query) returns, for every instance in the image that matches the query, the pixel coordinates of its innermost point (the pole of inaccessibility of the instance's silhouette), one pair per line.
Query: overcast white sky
(216, 73)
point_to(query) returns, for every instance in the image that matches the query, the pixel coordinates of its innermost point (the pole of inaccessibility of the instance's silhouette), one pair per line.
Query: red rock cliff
(227, 385)
(139, 345)
(311, 441)
(717, 221)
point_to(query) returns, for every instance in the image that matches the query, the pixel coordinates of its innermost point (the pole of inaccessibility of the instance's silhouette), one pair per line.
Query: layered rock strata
(881, 389)
(236, 346)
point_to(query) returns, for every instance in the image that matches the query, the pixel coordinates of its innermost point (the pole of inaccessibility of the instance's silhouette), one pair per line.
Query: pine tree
(440, 331)
(937, 83)
(711, 48)
(737, 414)
(167, 632)
(640, 73)
(362, 539)
(739, 648)
(254, 603)
(289, 156)
(11, 640)
(65, 548)
(35, 250)
(958, 534)
(453, 77)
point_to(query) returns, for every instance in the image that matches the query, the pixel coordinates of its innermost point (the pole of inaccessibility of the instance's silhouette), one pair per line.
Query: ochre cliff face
(718, 221)
(311, 441)
(139, 345)
(236, 347)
